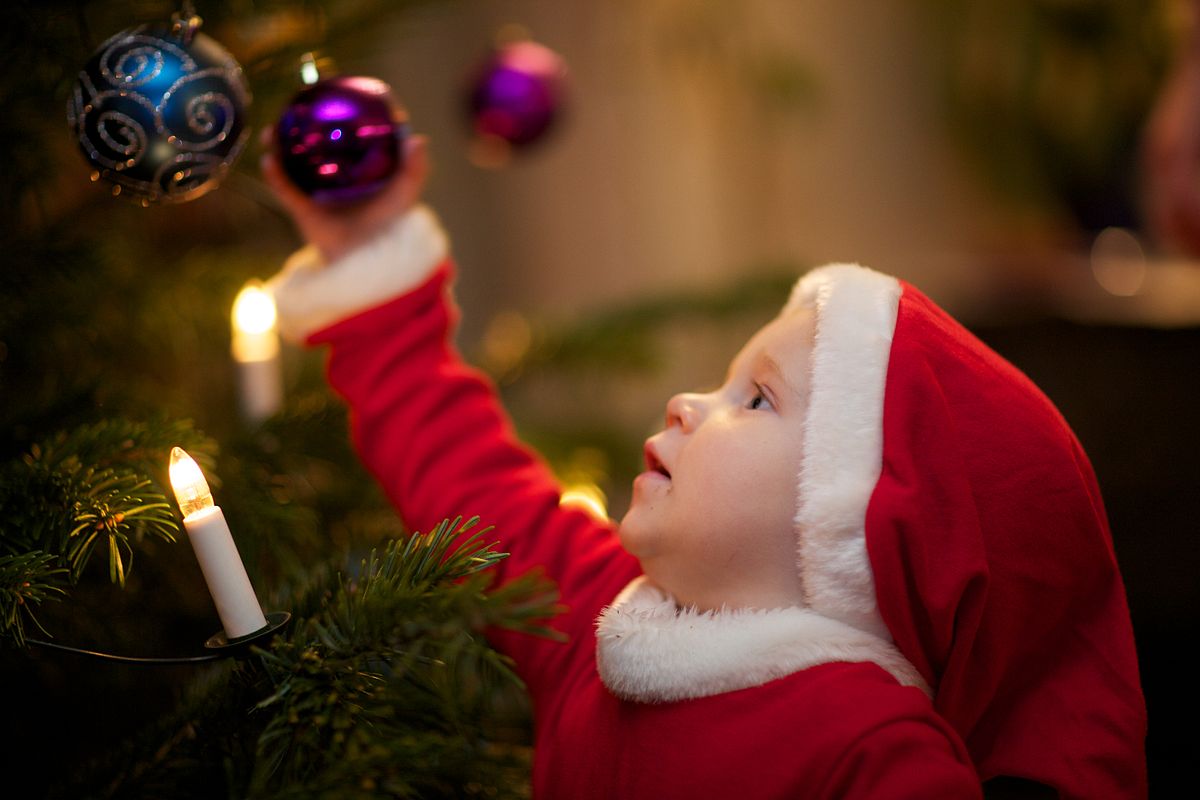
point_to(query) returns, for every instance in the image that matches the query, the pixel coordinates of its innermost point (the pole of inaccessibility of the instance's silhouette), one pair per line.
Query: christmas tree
(114, 348)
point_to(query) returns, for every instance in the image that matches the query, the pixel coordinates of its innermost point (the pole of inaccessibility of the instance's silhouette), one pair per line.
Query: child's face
(712, 518)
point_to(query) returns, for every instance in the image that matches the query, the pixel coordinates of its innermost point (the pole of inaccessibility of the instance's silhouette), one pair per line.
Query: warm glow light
(254, 309)
(308, 71)
(254, 335)
(587, 496)
(191, 489)
(506, 341)
(255, 347)
(1118, 262)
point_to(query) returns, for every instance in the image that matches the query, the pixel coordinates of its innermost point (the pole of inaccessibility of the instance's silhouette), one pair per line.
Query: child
(874, 563)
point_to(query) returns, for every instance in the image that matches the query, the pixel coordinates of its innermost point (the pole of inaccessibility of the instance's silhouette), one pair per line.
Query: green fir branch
(394, 655)
(383, 686)
(25, 581)
(139, 446)
(115, 509)
(96, 486)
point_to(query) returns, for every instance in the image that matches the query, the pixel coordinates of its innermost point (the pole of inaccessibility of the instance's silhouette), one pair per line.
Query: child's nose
(684, 410)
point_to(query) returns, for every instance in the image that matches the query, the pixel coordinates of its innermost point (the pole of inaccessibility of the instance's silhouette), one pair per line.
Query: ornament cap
(185, 22)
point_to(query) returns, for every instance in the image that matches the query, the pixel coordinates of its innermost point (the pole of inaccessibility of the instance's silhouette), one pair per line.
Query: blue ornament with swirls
(159, 112)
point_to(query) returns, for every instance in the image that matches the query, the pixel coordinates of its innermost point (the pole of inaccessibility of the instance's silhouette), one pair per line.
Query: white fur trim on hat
(310, 295)
(650, 651)
(843, 437)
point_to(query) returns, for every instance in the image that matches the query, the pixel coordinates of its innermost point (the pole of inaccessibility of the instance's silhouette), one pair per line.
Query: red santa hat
(944, 503)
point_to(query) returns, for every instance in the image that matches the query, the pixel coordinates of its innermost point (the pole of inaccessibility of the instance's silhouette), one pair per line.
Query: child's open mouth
(653, 463)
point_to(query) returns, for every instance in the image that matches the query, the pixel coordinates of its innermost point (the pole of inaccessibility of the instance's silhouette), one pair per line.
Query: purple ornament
(342, 138)
(516, 94)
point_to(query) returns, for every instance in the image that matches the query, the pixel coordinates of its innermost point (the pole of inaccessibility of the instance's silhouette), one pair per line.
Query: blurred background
(703, 154)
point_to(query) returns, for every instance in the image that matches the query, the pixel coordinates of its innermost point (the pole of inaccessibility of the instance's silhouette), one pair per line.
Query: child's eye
(759, 400)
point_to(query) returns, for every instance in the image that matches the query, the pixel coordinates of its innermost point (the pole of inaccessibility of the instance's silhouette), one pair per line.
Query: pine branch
(394, 655)
(95, 486)
(383, 686)
(26, 580)
(114, 509)
(138, 446)
(295, 491)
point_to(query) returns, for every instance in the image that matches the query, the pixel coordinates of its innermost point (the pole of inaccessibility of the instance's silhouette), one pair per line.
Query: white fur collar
(650, 651)
(311, 295)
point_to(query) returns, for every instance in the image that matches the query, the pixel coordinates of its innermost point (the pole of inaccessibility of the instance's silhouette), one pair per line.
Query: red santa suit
(913, 669)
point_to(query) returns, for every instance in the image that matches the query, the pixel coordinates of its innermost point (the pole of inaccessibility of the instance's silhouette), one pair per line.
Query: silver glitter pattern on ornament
(159, 112)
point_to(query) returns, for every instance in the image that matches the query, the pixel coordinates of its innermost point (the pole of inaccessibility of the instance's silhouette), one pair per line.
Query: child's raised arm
(374, 285)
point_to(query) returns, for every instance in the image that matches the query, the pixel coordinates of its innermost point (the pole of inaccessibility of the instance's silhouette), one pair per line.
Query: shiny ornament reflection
(159, 112)
(341, 139)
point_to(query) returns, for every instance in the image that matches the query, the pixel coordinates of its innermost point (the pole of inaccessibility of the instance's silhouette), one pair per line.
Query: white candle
(255, 346)
(209, 534)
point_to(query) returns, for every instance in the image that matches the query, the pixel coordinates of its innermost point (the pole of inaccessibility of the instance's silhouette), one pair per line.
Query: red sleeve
(430, 429)
(908, 758)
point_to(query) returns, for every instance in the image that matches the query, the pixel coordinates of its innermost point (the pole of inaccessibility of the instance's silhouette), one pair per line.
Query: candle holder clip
(219, 642)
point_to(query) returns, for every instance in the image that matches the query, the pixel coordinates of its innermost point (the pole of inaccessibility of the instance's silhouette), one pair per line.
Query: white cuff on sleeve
(310, 295)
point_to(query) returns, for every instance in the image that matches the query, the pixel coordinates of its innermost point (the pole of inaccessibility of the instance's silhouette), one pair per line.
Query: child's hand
(335, 231)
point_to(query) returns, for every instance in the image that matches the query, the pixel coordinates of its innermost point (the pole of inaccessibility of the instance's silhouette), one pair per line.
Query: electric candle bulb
(237, 605)
(191, 488)
(254, 315)
(255, 346)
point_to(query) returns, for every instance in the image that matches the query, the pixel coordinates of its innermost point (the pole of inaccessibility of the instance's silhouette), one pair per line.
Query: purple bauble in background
(517, 93)
(342, 138)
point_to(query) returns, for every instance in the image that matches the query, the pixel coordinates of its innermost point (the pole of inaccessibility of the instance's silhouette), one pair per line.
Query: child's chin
(632, 534)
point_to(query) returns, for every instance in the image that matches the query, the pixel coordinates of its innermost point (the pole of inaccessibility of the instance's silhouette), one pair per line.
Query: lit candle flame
(254, 309)
(191, 489)
(254, 336)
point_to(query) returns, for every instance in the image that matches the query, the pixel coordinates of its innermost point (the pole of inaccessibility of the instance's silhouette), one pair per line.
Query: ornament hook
(185, 22)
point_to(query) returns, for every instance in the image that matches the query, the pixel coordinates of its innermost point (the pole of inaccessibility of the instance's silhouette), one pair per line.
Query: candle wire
(131, 659)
